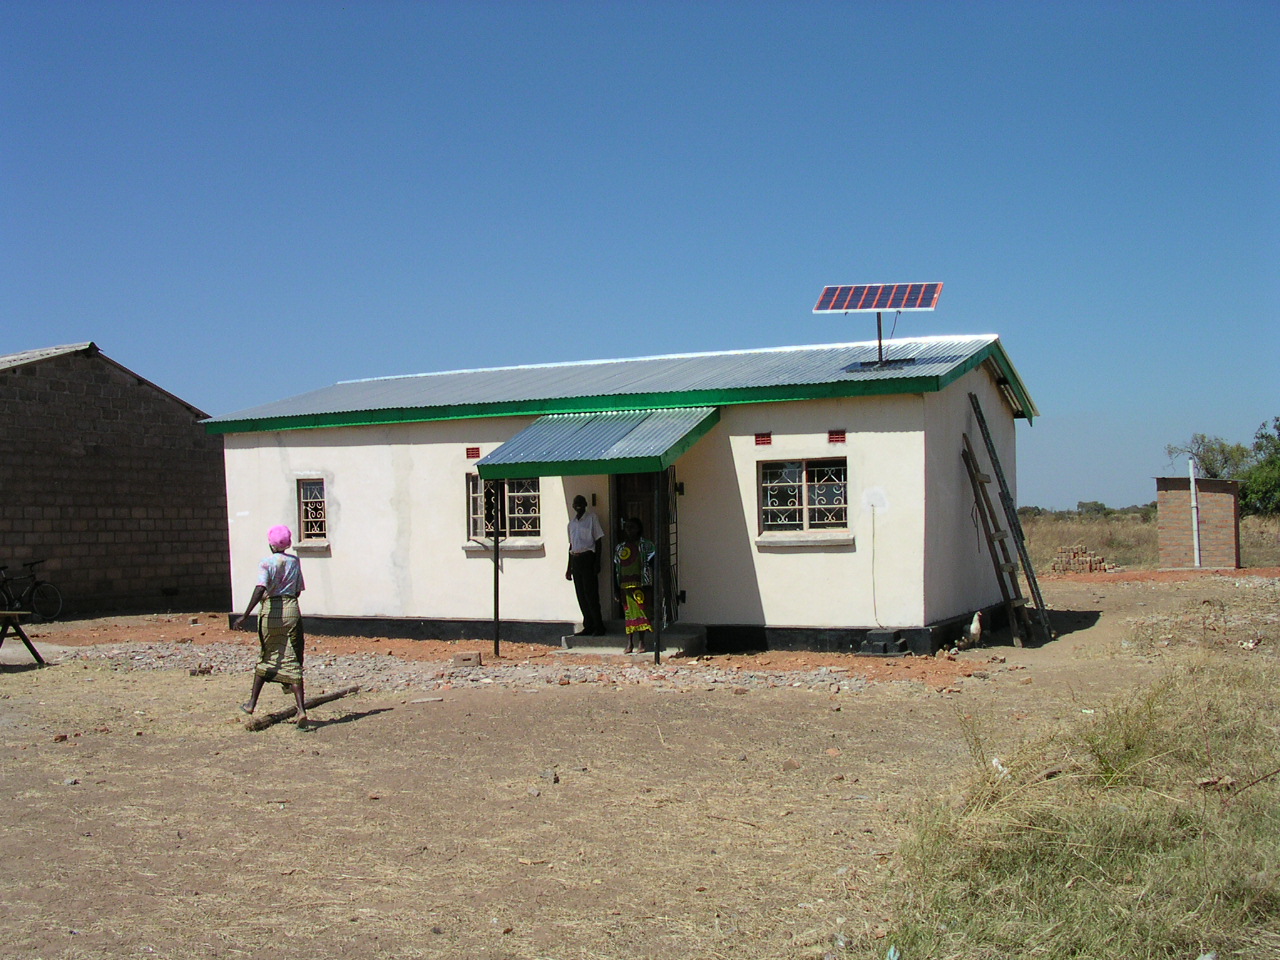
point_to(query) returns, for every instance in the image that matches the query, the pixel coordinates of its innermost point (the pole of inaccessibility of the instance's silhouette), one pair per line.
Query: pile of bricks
(1077, 559)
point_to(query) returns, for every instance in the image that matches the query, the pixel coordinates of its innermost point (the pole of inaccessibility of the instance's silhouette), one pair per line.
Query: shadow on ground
(21, 667)
(347, 718)
(1066, 622)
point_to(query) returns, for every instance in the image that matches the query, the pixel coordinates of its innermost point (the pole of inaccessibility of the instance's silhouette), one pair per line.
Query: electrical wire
(875, 612)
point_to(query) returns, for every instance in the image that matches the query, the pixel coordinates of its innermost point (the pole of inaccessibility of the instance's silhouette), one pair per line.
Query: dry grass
(680, 826)
(1150, 830)
(1126, 540)
(676, 828)
(1123, 539)
(1246, 619)
(1260, 541)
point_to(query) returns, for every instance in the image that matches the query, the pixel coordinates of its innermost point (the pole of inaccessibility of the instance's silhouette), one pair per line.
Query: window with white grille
(512, 506)
(804, 494)
(313, 521)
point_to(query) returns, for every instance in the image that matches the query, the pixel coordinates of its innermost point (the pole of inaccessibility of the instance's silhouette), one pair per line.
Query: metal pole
(1195, 511)
(659, 498)
(880, 338)
(499, 509)
(496, 620)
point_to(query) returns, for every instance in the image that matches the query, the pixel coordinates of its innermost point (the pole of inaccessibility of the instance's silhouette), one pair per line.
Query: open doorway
(651, 498)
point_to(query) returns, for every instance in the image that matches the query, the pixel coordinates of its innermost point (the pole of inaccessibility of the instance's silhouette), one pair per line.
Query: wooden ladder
(1015, 604)
(1012, 529)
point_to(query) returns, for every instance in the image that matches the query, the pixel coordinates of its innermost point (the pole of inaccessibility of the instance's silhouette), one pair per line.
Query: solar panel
(866, 297)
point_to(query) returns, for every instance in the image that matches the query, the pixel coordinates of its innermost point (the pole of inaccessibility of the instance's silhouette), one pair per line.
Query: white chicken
(972, 633)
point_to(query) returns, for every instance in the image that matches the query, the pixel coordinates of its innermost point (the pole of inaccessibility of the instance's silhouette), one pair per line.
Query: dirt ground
(617, 818)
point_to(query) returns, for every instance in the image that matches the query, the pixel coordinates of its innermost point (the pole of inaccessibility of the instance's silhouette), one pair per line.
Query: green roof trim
(601, 404)
(1009, 382)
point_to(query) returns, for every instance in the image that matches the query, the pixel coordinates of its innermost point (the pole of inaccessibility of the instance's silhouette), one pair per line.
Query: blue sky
(244, 201)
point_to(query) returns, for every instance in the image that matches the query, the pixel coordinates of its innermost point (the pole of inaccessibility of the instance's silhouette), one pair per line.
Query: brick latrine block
(1219, 508)
(104, 455)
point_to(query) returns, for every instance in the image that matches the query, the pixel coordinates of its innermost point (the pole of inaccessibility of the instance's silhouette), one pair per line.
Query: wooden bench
(9, 624)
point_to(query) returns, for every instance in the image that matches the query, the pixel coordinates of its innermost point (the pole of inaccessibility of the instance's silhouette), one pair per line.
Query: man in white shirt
(586, 545)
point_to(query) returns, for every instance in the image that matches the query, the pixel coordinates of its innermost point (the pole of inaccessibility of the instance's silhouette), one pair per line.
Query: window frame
(515, 504)
(809, 525)
(307, 524)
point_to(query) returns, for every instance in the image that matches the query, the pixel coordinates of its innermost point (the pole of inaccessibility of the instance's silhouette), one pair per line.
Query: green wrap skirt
(280, 641)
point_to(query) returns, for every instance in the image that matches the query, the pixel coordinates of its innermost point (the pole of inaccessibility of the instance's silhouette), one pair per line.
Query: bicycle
(40, 597)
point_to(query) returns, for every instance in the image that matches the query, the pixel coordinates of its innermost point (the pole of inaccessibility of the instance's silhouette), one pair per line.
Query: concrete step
(681, 637)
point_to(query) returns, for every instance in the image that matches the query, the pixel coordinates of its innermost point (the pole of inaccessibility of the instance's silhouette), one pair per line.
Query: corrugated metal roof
(914, 360)
(44, 353)
(572, 444)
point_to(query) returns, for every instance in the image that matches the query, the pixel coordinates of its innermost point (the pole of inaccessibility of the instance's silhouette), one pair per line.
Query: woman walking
(280, 641)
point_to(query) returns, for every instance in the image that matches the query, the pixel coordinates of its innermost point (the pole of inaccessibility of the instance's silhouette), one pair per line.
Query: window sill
(311, 546)
(806, 538)
(514, 545)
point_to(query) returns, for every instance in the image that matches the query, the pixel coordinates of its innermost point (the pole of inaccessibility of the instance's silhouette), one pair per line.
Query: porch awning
(617, 441)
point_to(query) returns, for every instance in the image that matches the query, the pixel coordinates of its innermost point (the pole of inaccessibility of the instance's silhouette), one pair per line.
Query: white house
(804, 496)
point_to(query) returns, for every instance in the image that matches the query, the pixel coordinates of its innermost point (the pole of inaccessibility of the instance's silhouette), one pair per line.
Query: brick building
(113, 482)
(1219, 508)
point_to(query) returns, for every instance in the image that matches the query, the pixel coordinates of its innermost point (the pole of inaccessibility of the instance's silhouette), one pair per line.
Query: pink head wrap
(280, 536)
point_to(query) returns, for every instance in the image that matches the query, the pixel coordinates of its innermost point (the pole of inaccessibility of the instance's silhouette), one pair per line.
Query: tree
(1260, 483)
(1266, 443)
(1260, 490)
(1216, 458)
(1256, 466)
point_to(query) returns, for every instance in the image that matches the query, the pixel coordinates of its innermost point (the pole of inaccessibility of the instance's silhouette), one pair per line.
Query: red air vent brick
(473, 453)
(764, 439)
(835, 436)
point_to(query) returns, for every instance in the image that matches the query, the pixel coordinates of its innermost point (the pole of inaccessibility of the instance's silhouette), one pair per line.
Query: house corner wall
(732, 576)
(959, 576)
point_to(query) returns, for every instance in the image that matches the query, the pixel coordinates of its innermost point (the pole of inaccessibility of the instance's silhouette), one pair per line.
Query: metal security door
(671, 594)
(651, 498)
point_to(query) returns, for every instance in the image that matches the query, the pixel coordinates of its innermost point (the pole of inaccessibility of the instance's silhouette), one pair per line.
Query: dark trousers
(586, 583)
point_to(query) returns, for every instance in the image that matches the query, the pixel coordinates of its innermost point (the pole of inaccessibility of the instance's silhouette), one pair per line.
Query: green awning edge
(569, 468)
(580, 468)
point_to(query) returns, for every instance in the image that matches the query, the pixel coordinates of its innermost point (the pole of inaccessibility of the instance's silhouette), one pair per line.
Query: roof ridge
(42, 352)
(680, 356)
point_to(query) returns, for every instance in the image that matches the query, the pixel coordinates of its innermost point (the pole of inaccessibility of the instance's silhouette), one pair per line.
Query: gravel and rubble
(384, 672)
(1245, 614)
(203, 644)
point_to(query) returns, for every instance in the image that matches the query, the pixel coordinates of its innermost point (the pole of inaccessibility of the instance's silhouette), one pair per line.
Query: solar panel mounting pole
(877, 297)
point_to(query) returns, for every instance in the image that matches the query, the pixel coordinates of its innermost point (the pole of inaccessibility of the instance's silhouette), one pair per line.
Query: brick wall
(1219, 502)
(115, 484)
